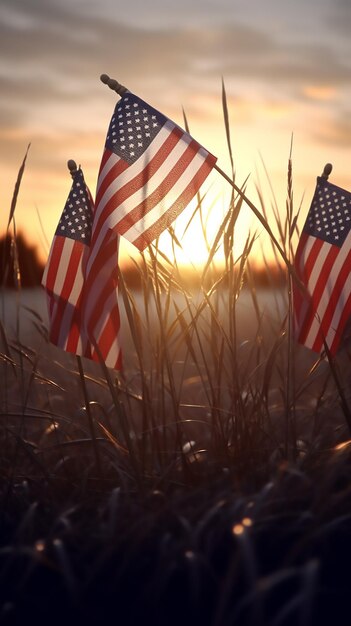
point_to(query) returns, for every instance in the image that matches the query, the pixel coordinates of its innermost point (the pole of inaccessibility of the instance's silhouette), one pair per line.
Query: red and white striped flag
(150, 170)
(63, 277)
(100, 302)
(323, 264)
(84, 317)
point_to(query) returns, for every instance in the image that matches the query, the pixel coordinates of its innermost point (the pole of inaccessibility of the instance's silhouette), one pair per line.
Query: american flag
(77, 325)
(63, 277)
(323, 264)
(149, 172)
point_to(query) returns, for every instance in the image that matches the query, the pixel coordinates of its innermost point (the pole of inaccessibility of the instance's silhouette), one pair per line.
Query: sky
(286, 68)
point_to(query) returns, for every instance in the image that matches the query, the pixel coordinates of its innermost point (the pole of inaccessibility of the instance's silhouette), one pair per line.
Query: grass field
(206, 484)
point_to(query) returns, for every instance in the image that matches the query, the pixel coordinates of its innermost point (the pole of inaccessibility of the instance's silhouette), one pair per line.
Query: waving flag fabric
(100, 302)
(323, 263)
(150, 170)
(63, 277)
(83, 308)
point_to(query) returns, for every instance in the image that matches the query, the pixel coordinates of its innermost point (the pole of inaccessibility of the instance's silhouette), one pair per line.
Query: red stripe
(103, 271)
(98, 309)
(333, 302)
(53, 264)
(107, 250)
(303, 302)
(123, 192)
(75, 332)
(310, 262)
(324, 273)
(182, 201)
(110, 332)
(115, 170)
(70, 277)
(105, 157)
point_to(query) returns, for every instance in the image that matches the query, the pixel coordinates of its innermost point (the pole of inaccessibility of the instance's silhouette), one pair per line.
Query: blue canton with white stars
(77, 216)
(134, 125)
(329, 217)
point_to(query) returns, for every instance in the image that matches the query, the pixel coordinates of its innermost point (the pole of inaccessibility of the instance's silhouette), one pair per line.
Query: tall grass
(207, 468)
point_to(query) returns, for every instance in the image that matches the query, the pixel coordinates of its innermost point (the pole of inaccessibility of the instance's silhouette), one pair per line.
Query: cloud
(52, 53)
(339, 17)
(336, 132)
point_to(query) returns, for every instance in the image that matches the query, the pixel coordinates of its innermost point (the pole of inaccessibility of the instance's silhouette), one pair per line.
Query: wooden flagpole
(113, 84)
(327, 170)
(72, 166)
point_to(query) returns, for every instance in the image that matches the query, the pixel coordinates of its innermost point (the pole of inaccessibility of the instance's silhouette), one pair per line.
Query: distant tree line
(19, 263)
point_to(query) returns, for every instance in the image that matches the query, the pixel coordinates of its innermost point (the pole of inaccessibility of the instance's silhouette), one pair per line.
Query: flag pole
(113, 84)
(327, 171)
(72, 166)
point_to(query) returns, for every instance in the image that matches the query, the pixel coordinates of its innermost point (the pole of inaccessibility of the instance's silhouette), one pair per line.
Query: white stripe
(318, 264)
(63, 266)
(339, 311)
(329, 286)
(65, 315)
(112, 356)
(105, 314)
(333, 328)
(311, 285)
(104, 311)
(110, 162)
(66, 322)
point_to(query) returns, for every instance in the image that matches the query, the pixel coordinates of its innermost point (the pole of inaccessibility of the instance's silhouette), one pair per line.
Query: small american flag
(84, 318)
(63, 277)
(323, 264)
(150, 170)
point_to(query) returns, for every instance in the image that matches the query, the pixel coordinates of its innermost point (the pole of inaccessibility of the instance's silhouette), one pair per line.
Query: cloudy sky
(286, 69)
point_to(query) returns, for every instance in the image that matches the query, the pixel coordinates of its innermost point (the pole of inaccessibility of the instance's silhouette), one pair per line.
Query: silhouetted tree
(19, 262)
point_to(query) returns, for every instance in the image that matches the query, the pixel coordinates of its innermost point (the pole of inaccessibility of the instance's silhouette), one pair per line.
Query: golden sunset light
(281, 79)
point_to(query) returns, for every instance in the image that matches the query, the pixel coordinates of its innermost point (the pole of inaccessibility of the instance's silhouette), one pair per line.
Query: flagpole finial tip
(104, 78)
(72, 166)
(113, 84)
(327, 170)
